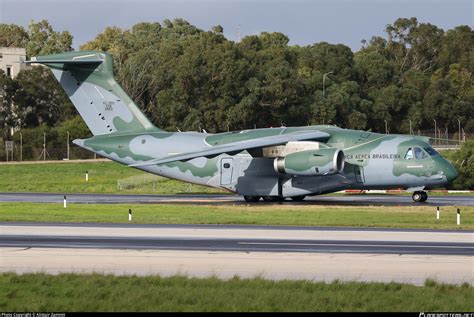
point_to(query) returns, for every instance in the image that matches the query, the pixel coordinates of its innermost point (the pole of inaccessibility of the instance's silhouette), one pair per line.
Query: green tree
(39, 99)
(218, 29)
(8, 89)
(75, 126)
(463, 161)
(12, 35)
(457, 47)
(413, 45)
(373, 70)
(43, 40)
(450, 98)
(323, 112)
(110, 40)
(182, 76)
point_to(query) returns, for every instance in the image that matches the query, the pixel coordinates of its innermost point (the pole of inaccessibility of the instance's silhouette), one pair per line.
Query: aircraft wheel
(252, 199)
(272, 198)
(268, 198)
(298, 198)
(425, 196)
(418, 196)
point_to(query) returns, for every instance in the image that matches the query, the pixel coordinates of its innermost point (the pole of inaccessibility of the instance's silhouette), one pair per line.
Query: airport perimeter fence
(147, 183)
(13, 152)
(24, 151)
(442, 138)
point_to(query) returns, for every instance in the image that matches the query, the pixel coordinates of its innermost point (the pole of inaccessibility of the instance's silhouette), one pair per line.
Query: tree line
(184, 77)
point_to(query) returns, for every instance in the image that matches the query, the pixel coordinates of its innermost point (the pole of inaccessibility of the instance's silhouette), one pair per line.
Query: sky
(304, 21)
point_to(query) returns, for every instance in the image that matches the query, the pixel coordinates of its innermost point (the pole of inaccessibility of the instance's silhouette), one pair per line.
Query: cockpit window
(431, 151)
(420, 154)
(416, 153)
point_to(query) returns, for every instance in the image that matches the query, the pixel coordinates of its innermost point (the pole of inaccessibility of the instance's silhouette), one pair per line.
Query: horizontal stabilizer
(75, 62)
(236, 147)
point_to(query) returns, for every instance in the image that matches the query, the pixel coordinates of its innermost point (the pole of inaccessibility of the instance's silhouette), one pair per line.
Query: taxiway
(343, 199)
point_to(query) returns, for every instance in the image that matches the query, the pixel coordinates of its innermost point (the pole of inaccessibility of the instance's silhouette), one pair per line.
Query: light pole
(21, 147)
(386, 126)
(435, 131)
(446, 134)
(324, 82)
(410, 127)
(68, 145)
(44, 146)
(459, 130)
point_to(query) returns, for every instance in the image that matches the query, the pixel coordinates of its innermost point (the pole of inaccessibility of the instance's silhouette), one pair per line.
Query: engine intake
(311, 163)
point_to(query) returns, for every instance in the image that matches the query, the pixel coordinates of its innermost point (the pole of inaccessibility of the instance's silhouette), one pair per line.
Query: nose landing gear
(419, 196)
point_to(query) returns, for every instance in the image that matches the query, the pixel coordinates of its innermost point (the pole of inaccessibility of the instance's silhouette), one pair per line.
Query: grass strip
(301, 215)
(104, 177)
(96, 292)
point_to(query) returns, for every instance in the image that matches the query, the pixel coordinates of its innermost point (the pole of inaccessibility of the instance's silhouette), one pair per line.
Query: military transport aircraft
(271, 163)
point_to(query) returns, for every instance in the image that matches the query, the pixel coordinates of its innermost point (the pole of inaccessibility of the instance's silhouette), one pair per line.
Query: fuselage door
(359, 174)
(226, 170)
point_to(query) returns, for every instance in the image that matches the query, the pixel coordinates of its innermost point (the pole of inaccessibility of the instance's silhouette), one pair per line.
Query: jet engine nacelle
(326, 161)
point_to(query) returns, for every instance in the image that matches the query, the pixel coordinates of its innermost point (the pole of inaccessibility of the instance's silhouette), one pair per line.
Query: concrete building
(11, 59)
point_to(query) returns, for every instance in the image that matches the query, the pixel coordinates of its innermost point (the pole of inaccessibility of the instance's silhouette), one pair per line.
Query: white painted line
(354, 245)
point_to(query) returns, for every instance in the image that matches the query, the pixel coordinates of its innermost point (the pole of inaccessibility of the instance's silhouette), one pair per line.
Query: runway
(243, 245)
(343, 199)
(237, 238)
(272, 252)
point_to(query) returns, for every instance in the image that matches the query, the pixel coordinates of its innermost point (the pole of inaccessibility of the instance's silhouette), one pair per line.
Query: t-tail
(88, 79)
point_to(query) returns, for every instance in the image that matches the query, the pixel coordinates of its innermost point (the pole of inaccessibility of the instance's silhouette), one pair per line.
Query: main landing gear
(419, 196)
(298, 198)
(272, 198)
(254, 199)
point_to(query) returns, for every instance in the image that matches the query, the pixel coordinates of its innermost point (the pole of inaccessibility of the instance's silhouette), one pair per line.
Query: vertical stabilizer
(88, 79)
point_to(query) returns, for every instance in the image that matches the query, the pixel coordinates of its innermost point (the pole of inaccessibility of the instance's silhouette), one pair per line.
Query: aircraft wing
(236, 147)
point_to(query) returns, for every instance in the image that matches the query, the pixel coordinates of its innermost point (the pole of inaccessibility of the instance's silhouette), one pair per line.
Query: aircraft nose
(450, 172)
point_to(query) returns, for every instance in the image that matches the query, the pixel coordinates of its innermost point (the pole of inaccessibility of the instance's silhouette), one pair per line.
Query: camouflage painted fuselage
(372, 161)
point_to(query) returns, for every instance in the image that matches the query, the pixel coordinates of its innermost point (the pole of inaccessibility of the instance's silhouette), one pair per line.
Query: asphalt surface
(344, 199)
(279, 252)
(243, 245)
(237, 238)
